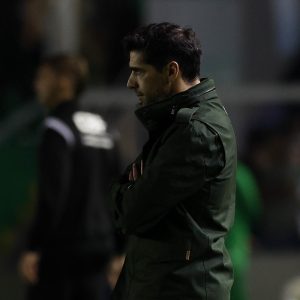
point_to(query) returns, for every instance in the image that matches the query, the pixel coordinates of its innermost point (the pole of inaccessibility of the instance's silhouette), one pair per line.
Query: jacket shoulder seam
(184, 115)
(61, 128)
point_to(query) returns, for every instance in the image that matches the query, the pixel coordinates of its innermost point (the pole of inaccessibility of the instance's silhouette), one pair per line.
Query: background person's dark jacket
(76, 159)
(179, 211)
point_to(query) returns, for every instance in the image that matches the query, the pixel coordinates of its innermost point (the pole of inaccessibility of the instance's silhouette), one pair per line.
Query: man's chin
(141, 103)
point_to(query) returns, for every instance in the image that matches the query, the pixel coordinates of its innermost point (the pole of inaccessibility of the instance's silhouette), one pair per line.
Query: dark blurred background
(250, 47)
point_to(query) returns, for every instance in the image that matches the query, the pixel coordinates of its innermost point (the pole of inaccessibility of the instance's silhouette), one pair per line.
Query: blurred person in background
(71, 240)
(176, 201)
(248, 208)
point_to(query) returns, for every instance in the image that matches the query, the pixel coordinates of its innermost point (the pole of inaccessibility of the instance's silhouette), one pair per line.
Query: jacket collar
(161, 114)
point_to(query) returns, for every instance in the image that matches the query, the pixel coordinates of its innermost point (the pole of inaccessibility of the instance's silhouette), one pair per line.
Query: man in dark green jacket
(176, 201)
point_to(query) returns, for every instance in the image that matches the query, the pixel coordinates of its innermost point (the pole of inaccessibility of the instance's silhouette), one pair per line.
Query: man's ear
(173, 70)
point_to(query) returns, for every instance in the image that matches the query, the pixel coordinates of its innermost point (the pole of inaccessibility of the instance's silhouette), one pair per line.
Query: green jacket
(178, 212)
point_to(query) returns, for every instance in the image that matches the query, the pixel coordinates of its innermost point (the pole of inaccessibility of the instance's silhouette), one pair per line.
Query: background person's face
(46, 85)
(149, 84)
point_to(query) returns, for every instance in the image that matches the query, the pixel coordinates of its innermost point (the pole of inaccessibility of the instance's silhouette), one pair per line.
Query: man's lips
(140, 96)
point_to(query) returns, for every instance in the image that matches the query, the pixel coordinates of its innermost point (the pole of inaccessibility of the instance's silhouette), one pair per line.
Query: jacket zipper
(188, 251)
(187, 254)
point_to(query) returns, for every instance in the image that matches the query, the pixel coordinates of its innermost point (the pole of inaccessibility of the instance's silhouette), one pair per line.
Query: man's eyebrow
(134, 68)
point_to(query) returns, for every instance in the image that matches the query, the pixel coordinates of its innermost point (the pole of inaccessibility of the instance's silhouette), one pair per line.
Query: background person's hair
(162, 43)
(72, 66)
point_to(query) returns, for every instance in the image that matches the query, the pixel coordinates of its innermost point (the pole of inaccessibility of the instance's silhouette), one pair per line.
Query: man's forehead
(136, 58)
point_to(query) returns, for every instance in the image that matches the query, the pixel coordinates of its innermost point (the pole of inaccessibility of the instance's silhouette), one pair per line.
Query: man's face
(46, 85)
(149, 84)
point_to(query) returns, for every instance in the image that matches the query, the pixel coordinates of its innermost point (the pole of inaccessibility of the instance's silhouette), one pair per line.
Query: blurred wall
(249, 46)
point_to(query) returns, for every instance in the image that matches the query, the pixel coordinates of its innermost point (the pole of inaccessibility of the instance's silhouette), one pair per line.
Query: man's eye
(137, 72)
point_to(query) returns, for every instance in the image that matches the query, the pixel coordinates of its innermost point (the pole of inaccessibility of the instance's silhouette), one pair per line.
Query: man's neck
(183, 85)
(54, 104)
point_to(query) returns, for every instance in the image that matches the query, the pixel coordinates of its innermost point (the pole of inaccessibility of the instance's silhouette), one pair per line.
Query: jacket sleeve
(185, 160)
(53, 185)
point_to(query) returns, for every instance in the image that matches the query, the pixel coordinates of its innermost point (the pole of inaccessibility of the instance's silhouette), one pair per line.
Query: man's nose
(131, 83)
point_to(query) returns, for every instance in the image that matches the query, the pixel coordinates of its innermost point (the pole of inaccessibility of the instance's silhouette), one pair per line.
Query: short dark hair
(73, 66)
(163, 42)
